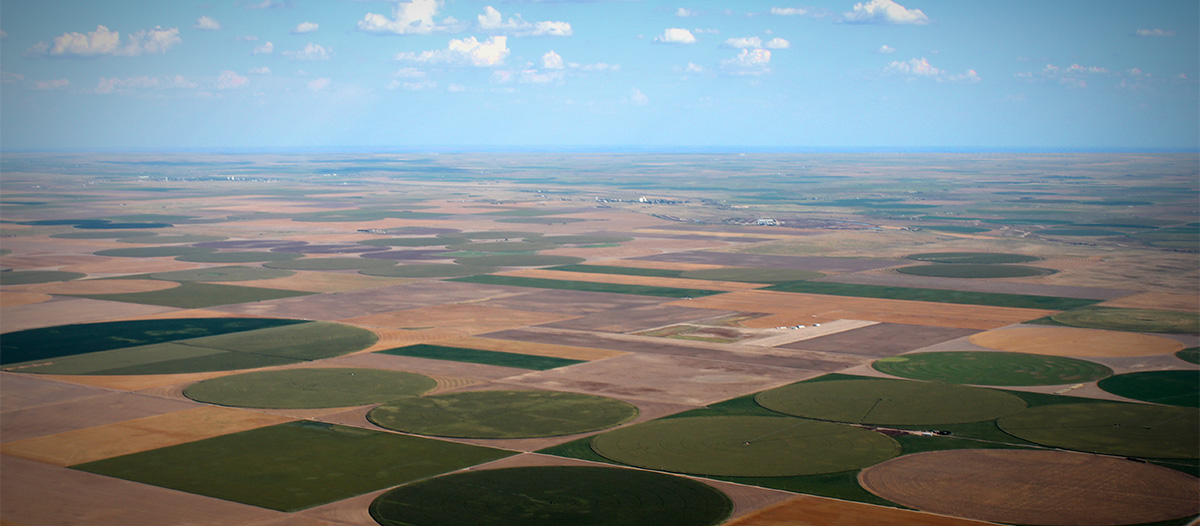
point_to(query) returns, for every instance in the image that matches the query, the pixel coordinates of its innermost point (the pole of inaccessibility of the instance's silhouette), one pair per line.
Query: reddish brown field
(807, 510)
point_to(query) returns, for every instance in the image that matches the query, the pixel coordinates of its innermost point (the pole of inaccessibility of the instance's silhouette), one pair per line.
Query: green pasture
(238, 257)
(28, 277)
(1191, 354)
(462, 354)
(307, 341)
(506, 246)
(171, 240)
(334, 263)
(974, 270)
(1181, 388)
(642, 290)
(889, 402)
(1023, 301)
(738, 274)
(553, 496)
(1136, 320)
(192, 295)
(1110, 428)
(293, 466)
(747, 446)
(67, 340)
(517, 260)
(502, 414)
(159, 358)
(410, 242)
(427, 270)
(153, 252)
(234, 273)
(309, 388)
(992, 368)
(619, 271)
(972, 257)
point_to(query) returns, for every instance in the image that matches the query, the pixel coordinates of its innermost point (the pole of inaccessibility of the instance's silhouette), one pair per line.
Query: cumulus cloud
(117, 85)
(885, 50)
(1074, 76)
(102, 41)
(493, 22)
(684, 12)
(318, 84)
(552, 60)
(305, 27)
(637, 97)
(415, 17)
(7, 77)
(676, 35)
(920, 67)
(310, 52)
(743, 43)
(51, 84)
(409, 73)
(260, 71)
(266, 48)
(750, 61)
(693, 67)
(1154, 33)
(777, 43)
(789, 11)
(884, 12)
(207, 24)
(231, 80)
(467, 51)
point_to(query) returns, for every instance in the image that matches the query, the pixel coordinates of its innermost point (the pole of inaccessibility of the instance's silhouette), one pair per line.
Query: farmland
(500, 336)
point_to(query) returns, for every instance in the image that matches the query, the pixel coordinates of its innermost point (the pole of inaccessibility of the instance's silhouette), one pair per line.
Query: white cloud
(206, 23)
(415, 17)
(409, 73)
(915, 66)
(231, 80)
(318, 84)
(455, 88)
(310, 52)
(744, 42)
(777, 43)
(789, 11)
(51, 84)
(305, 27)
(492, 21)
(102, 41)
(637, 97)
(1154, 33)
(266, 48)
(676, 35)
(114, 84)
(533, 76)
(552, 60)
(969, 76)
(693, 67)
(260, 71)
(684, 12)
(599, 66)
(467, 51)
(885, 50)
(10, 78)
(247, 38)
(412, 86)
(751, 61)
(885, 12)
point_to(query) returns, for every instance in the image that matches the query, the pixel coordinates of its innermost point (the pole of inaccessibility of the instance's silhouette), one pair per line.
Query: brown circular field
(1069, 341)
(1019, 486)
(106, 286)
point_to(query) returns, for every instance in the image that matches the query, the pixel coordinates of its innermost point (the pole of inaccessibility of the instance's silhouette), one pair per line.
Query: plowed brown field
(1070, 341)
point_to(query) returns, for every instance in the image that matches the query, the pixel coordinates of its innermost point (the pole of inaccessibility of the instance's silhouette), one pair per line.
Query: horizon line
(597, 149)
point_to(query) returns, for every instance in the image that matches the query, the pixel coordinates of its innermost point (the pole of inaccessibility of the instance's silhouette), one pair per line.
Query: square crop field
(294, 466)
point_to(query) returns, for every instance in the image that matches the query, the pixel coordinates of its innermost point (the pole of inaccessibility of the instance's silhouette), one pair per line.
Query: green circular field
(330, 264)
(1137, 320)
(153, 252)
(515, 260)
(974, 271)
(507, 246)
(992, 368)
(974, 258)
(1180, 388)
(309, 388)
(411, 242)
(430, 270)
(745, 446)
(222, 274)
(238, 257)
(752, 275)
(29, 277)
(1135, 430)
(553, 496)
(889, 402)
(502, 414)
(490, 234)
(1191, 354)
(171, 240)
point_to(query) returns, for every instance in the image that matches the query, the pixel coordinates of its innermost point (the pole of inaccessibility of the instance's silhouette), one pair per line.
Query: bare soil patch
(19, 391)
(808, 510)
(83, 412)
(1156, 300)
(652, 281)
(118, 266)
(12, 298)
(1070, 341)
(52, 260)
(635, 319)
(571, 301)
(660, 265)
(346, 305)
(426, 366)
(1034, 487)
(636, 248)
(470, 318)
(883, 339)
(538, 349)
(106, 286)
(326, 282)
(72, 310)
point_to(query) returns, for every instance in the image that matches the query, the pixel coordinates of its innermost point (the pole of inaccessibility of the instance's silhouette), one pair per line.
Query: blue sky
(466, 75)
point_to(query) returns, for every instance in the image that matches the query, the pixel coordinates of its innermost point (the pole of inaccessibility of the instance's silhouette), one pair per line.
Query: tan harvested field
(636, 248)
(636, 318)
(881, 310)
(142, 434)
(537, 349)
(678, 283)
(807, 510)
(46, 495)
(58, 261)
(64, 311)
(1070, 341)
(13, 298)
(359, 303)
(571, 301)
(1157, 300)
(1035, 487)
(19, 391)
(104, 286)
(69, 415)
(661, 265)
(326, 282)
(137, 382)
(472, 319)
(121, 266)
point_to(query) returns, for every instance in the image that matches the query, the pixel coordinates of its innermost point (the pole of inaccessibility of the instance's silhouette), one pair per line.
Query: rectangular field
(642, 290)
(995, 299)
(192, 295)
(463, 354)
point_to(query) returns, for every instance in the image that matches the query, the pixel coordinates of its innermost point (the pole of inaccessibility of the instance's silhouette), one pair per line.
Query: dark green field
(221, 274)
(1191, 354)
(972, 257)
(1136, 430)
(309, 388)
(1180, 388)
(461, 354)
(992, 368)
(491, 234)
(1023, 301)
(889, 402)
(29, 277)
(553, 496)
(641, 290)
(738, 274)
(238, 257)
(192, 295)
(293, 466)
(974, 270)
(502, 414)
(1137, 320)
(517, 260)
